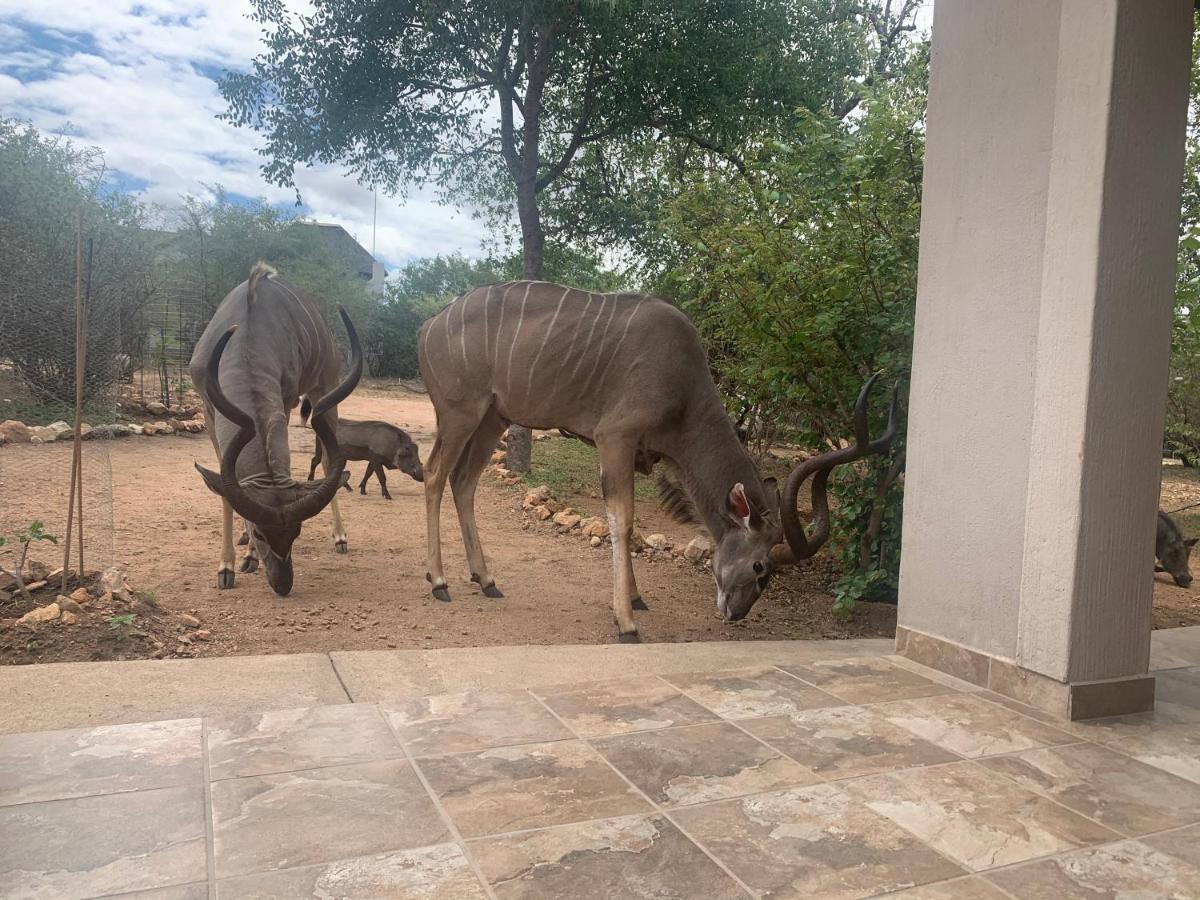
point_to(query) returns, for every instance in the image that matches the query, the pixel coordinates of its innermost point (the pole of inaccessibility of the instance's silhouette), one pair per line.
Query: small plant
(35, 532)
(120, 625)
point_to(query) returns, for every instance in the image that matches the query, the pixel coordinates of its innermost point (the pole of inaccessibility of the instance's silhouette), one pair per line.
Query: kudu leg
(340, 544)
(250, 560)
(312, 466)
(463, 482)
(616, 483)
(454, 431)
(225, 576)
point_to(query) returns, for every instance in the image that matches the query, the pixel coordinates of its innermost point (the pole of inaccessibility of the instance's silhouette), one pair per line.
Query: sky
(137, 78)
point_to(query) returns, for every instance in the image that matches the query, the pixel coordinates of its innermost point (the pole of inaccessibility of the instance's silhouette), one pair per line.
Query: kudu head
(273, 504)
(764, 537)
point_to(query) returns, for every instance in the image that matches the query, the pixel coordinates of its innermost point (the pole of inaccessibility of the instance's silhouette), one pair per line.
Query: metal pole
(78, 393)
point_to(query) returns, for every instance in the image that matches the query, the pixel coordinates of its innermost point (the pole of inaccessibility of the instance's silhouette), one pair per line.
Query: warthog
(380, 444)
(1172, 550)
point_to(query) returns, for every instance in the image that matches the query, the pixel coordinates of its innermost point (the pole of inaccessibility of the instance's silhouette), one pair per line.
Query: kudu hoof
(639, 603)
(341, 546)
(441, 592)
(249, 564)
(628, 637)
(225, 579)
(489, 589)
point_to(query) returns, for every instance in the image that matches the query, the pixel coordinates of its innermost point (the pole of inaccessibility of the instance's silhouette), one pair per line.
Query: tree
(801, 277)
(495, 101)
(46, 185)
(1183, 395)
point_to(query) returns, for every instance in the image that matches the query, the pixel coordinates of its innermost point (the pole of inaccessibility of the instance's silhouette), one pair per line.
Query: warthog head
(407, 460)
(1173, 551)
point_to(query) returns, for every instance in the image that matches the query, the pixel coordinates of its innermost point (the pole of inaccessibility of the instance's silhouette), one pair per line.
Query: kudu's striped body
(266, 345)
(628, 373)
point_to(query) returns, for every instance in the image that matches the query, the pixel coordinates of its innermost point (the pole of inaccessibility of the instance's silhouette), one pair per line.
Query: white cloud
(132, 78)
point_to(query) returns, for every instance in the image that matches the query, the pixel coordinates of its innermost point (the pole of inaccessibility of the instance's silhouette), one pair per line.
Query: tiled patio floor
(838, 779)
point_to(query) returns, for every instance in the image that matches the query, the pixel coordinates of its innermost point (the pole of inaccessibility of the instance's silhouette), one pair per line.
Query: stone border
(15, 432)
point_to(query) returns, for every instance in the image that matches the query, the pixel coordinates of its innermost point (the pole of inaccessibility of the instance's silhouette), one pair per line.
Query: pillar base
(1078, 700)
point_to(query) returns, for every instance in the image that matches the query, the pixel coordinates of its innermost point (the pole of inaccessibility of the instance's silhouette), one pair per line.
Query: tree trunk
(533, 243)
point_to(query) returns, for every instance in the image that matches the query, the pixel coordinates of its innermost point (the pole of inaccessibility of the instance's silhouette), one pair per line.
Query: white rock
(42, 614)
(658, 542)
(698, 548)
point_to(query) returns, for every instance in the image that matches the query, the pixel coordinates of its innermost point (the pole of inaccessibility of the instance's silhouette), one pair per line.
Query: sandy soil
(167, 534)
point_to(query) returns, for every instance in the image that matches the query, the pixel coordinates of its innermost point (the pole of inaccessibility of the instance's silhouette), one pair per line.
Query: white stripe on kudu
(545, 339)
(624, 334)
(599, 349)
(516, 335)
(571, 347)
(591, 334)
(462, 325)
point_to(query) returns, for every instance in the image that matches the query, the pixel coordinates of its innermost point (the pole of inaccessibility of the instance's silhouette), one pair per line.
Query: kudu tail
(305, 410)
(258, 271)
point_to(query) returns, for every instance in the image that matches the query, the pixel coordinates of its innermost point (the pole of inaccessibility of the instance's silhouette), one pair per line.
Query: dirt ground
(557, 589)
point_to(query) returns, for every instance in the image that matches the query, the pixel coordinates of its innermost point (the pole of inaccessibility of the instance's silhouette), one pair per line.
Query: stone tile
(941, 678)
(867, 680)
(1172, 648)
(476, 720)
(1126, 870)
(1127, 796)
(195, 891)
(846, 742)
(1183, 843)
(973, 887)
(285, 740)
(976, 817)
(55, 765)
(432, 873)
(745, 693)
(1181, 686)
(622, 706)
(634, 857)
(74, 695)
(529, 786)
(678, 766)
(944, 656)
(92, 846)
(971, 726)
(814, 841)
(303, 818)
(1174, 748)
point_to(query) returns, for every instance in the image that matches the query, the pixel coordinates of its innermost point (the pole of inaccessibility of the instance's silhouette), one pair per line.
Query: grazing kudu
(1172, 550)
(267, 345)
(381, 444)
(628, 373)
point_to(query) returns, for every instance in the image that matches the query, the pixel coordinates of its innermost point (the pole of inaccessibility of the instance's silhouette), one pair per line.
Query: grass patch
(571, 468)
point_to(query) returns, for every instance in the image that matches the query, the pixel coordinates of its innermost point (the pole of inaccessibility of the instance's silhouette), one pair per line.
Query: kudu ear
(212, 480)
(739, 505)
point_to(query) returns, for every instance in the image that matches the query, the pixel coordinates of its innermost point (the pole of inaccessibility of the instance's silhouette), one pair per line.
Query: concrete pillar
(1051, 204)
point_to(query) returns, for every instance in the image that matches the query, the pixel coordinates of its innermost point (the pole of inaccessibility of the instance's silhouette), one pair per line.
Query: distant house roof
(339, 240)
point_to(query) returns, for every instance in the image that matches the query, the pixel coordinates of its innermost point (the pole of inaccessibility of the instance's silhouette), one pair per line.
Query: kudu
(380, 444)
(1172, 550)
(628, 373)
(266, 345)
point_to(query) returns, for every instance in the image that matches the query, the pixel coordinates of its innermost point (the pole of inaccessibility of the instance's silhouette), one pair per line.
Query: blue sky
(137, 80)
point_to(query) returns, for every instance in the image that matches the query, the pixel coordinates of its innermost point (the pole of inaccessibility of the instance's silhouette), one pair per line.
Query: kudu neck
(711, 460)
